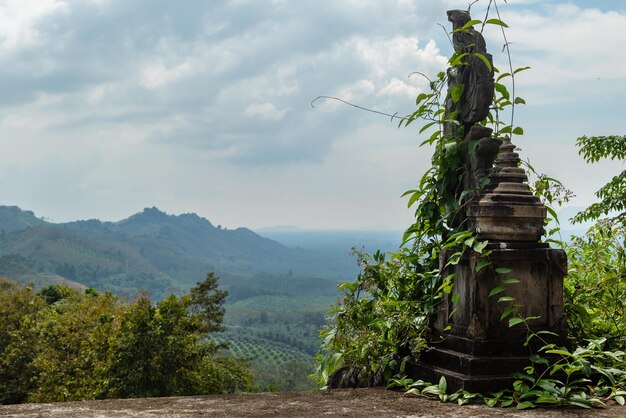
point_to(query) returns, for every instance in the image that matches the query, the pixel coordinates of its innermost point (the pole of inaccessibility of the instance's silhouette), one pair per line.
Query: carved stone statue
(475, 76)
(478, 148)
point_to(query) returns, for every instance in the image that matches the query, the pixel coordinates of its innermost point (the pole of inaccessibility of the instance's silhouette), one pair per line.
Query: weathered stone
(507, 211)
(473, 345)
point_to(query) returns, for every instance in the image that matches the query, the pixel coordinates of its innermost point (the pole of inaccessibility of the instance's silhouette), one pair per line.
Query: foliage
(62, 345)
(382, 318)
(587, 377)
(595, 288)
(158, 253)
(613, 194)
(205, 302)
(20, 310)
(278, 335)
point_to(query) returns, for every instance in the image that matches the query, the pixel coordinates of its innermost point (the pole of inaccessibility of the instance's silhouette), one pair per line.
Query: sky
(111, 106)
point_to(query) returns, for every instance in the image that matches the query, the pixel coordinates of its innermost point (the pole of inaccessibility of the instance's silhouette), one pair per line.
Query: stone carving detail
(474, 75)
(478, 148)
(481, 152)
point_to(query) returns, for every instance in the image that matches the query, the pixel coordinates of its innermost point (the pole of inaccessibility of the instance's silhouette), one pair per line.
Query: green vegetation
(595, 288)
(278, 334)
(61, 345)
(151, 252)
(272, 306)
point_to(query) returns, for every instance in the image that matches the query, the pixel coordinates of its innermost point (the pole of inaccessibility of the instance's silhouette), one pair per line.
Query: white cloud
(18, 22)
(155, 76)
(204, 106)
(576, 51)
(265, 111)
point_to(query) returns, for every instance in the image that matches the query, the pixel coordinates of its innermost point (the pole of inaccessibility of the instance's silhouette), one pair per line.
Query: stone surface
(507, 210)
(343, 403)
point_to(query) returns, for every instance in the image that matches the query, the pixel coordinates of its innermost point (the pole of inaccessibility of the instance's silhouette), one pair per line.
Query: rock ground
(343, 403)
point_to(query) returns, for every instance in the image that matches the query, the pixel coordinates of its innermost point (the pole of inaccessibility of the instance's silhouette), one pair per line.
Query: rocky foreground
(344, 403)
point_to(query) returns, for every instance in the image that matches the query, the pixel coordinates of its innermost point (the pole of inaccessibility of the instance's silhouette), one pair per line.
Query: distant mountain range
(155, 252)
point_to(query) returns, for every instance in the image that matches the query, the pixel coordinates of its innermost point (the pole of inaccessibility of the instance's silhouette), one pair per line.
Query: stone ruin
(471, 346)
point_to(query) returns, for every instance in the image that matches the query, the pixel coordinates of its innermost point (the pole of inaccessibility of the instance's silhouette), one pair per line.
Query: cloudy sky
(110, 106)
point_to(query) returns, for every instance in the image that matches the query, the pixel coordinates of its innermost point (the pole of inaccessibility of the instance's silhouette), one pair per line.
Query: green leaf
(456, 92)
(518, 131)
(553, 214)
(479, 247)
(519, 100)
(506, 299)
(482, 264)
(503, 270)
(485, 60)
(560, 352)
(468, 25)
(536, 358)
(547, 333)
(442, 384)
(503, 75)
(428, 125)
(510, 280)
(519, 70)
(457, 59)
(547, 398)
(525, 405)
(420, 97)
(469, 242)
(496, 22)
(491, 402)
(414, 198)
(583, 403)
(349, 286)
(496, 290)
(501, 88)
(619, 399)
(432, 390)
(455, 298)
(514, 321)
(507, 403)
(507, 312)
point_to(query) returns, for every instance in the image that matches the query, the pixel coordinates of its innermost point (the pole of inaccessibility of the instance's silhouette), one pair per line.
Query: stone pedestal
(471, 346)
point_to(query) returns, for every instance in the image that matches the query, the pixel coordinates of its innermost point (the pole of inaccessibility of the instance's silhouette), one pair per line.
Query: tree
(63, 345)
(595, 288)
(20, 309)
(206, 302)
(74, 341)
(613, 194)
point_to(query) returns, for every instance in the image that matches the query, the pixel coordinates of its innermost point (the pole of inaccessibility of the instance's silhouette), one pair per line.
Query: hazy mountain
(152, 251)
(13, 218)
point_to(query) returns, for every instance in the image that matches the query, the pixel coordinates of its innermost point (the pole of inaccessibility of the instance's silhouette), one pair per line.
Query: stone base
(473, 348)
(481, 374)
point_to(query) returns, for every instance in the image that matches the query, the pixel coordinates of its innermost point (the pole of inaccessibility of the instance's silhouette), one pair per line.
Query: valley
(280, 282)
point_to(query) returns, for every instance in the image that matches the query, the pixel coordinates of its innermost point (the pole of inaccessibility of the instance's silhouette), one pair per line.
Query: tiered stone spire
(508, 211)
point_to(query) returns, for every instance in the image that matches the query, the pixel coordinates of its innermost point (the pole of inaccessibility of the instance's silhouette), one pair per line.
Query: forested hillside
(278, 293)
(150, 251)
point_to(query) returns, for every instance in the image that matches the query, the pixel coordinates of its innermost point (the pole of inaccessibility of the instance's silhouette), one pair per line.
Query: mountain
(151, 251)
(13, 218)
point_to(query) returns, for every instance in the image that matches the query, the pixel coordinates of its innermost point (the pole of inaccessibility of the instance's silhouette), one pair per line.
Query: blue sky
(110, 106)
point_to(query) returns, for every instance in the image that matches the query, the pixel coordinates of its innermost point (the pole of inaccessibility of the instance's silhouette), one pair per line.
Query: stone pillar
(471, 346)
